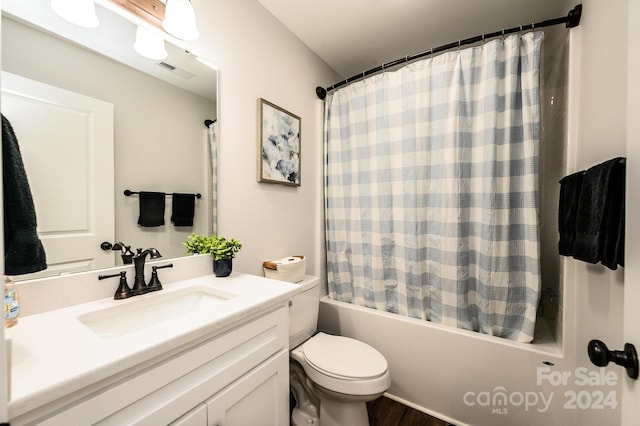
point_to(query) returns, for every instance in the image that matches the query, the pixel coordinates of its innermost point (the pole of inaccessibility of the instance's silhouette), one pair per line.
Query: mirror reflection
(91, 127)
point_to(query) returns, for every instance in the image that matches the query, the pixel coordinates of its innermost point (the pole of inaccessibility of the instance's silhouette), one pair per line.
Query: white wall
(259, 58)
(593, 294)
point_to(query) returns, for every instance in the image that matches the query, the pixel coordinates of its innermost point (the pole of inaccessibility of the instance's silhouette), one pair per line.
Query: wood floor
(387, 412)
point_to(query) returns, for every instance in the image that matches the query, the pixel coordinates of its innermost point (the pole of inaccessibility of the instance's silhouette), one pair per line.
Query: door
(260, 397)
(75, 204)
(631, 388)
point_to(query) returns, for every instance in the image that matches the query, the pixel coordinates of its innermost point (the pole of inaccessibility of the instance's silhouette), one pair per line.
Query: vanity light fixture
(180, 20)
(78, 12)
(149, 44)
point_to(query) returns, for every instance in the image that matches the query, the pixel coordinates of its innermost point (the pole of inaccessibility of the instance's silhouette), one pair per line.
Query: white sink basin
(140, 312)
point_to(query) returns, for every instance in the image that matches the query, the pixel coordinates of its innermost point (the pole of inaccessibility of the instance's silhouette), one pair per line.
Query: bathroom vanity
(203, 350)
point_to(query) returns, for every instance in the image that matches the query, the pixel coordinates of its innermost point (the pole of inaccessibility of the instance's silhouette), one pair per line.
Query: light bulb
(180, 20)
(149, 44)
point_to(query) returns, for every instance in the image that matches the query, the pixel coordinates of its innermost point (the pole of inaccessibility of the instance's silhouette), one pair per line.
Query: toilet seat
(332, 376)
(344, 358)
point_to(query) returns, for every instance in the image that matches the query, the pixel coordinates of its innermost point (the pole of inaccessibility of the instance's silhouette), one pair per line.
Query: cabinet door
(195, 417)
(260, 397)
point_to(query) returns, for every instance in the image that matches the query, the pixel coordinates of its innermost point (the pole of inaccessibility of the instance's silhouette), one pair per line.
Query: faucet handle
(155, 284)
(127, 255)
(123, 290)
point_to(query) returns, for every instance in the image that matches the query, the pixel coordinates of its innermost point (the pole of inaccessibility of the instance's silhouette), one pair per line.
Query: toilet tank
(303, 311)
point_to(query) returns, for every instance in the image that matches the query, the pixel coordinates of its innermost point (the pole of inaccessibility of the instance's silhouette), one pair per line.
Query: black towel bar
(128, 192)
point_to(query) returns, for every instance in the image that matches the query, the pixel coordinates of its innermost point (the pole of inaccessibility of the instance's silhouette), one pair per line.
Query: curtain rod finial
(321, 93)
(574, 16)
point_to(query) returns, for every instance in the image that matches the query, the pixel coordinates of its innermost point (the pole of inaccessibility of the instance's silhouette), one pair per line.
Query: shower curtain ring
(533, 26)
(458, 44)
(482, 39)
(503, 35)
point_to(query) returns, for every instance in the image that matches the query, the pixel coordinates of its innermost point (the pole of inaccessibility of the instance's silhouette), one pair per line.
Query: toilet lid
(340, 356)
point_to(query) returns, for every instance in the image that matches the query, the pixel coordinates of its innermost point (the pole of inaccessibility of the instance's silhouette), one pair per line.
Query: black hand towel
(151, 209)
(591, 216)
(183, 209)
(613, 224)
(23, 250)
(567, 209)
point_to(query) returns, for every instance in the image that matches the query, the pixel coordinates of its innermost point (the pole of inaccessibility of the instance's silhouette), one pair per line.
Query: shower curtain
(431, 187)
(212, 137)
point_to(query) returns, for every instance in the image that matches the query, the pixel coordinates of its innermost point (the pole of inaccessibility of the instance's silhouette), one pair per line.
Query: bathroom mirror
(160, 141)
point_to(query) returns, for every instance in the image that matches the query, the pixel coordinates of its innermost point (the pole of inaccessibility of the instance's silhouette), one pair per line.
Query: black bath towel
(598, 211)
(567, 209)
(613, 224)
(23, 250)
(151, 208)
(183, 209)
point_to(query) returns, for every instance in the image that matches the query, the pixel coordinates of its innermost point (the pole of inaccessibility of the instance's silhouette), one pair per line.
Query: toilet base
(305, 403)
(337, 413)
(301, 418)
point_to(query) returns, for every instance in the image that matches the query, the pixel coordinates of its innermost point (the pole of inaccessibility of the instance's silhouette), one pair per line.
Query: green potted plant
(221, 249)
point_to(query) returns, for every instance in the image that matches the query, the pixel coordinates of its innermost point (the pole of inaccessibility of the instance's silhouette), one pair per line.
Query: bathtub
(463, 377)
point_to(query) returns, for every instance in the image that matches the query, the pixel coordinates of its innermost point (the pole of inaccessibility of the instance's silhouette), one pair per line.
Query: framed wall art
(278, 145)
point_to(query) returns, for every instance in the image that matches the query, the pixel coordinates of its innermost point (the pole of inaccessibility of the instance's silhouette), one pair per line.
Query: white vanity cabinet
(195, 417)
(237, 377)
(257, 398)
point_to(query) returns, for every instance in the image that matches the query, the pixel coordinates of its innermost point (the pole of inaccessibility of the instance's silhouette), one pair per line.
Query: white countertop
(54, 354)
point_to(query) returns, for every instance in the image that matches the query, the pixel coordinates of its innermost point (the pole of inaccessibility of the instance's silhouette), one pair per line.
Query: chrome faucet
(139, 286)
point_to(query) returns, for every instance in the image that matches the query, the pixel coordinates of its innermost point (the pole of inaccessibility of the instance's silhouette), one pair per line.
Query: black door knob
(600, 355)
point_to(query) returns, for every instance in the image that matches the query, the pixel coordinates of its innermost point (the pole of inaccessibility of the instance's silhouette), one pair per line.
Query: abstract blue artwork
(278, 145)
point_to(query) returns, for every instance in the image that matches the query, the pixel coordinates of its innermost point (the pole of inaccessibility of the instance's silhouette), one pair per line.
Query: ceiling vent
(179, 71)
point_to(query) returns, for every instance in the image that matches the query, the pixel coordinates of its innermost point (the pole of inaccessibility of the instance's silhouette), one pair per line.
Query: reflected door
(66, 141)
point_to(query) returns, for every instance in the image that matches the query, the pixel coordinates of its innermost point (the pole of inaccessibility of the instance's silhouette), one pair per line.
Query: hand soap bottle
(11, 303)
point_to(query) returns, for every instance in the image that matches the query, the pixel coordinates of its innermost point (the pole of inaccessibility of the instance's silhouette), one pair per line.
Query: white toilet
(338, 373)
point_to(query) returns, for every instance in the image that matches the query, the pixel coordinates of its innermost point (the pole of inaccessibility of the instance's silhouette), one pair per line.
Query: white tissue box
(289, 269)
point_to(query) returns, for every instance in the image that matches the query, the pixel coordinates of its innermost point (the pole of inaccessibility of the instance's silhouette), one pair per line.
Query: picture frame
(279, 143)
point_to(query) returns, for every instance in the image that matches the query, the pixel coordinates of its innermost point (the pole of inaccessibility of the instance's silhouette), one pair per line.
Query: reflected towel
(183, 209)
(23, 250)
(151, 209)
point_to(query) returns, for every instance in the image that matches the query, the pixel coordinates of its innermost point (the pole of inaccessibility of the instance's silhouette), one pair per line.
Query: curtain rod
(129, 193)
(571, 20)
